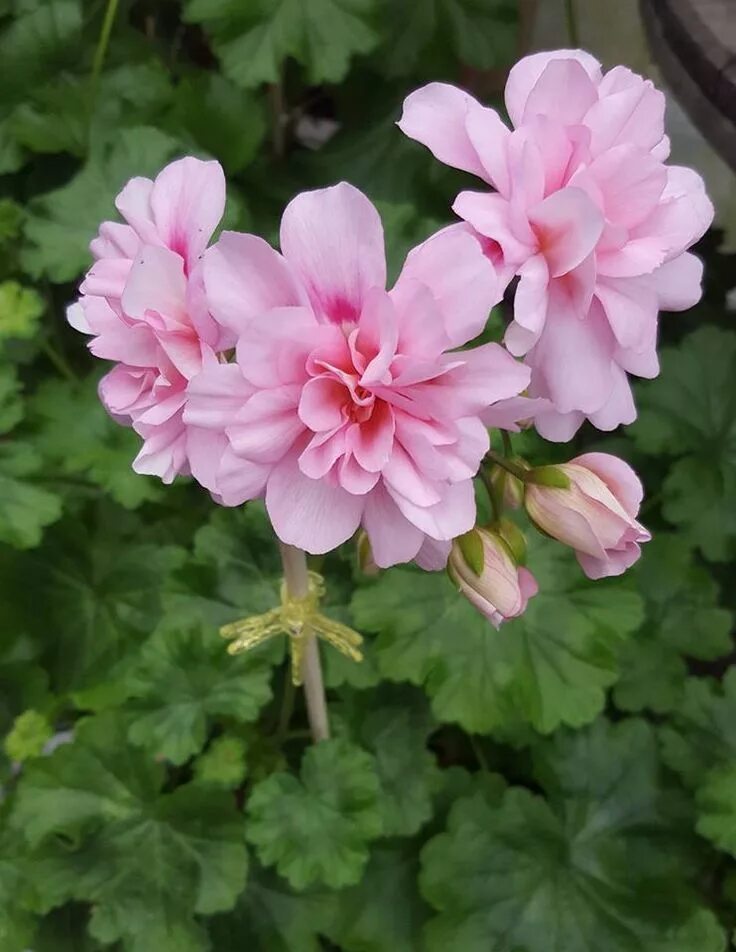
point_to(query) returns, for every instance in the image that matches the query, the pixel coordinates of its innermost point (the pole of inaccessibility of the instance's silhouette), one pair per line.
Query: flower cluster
(296, 376)
(588, 216)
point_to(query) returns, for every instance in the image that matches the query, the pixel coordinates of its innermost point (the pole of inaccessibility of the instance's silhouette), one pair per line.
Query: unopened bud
(366, 562)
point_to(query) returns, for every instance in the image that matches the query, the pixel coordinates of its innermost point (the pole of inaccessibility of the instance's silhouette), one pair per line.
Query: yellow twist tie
(299, 618)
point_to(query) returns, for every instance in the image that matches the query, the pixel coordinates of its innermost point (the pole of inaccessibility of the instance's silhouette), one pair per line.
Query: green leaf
(316, 829)
(433, 34)
(38, 42)
(78, 438)
(20, 310)
(716, 804)
(184, 679)
(61, 223)
(25, 509)
(147, 861)
(690, 412)
(384, 910)
(395, 728)
(223, 764)
(702, 731)
(28, 736)
(17, 925)
(682, 619)
(550, 666)
(580, 870)
(88, 597)
(252, 41)
(221, 118)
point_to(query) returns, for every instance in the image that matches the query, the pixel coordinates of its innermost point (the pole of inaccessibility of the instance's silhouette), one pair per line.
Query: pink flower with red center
(143, 303)
(585, 213)
(348, 404)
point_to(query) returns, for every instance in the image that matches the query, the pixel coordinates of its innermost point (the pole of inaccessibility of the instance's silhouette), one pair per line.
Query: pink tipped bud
(590, 504)
(485, 571)
(366, 562)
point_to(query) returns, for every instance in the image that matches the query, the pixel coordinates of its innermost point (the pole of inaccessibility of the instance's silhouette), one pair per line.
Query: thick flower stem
(507, 464)
(297, 583)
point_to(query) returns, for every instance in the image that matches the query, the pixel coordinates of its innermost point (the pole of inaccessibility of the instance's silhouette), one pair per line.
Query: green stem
(102, 44)
(496, 506)
(493, 457)
(507, 447)
(59, 361)
(572, 23)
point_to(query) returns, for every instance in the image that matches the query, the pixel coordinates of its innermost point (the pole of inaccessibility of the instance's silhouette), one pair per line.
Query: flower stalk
(296, 578)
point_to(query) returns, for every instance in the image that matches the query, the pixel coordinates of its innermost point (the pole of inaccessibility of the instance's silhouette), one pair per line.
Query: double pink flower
(348, 404)
(587, 215)
(143, 303)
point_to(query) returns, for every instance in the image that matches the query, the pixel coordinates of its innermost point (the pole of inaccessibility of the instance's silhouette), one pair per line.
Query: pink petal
(156, 283)
(267, 425)
(631, 183)
(371, 442)
(164, 452)
(530, 301)
(239, 480)
(321, 403)
(619, 408)
(393, 538)
(333, 239)
(77, 319)
(204, 452)
(453, 515)
(244, 277)
(188, 201)
(403, 477)
(352, 477)
(322, 452)
(489, 214)
(683, 215)
(508, 414)
(378, 330)
(310, 513)
(568, 226)
(629, 110)
(631, 307)
(574, 357)
(433, 555)
(524, 75)
(618, 476)
(106, 278)
(115, 240)
(564, 92)
(678, 283)
(615, 562)
(276, 348)
(215, 395)
(462, 280)
(436, 115)
(558, 427)
(421, 326)
(134, 204)
(489, 373)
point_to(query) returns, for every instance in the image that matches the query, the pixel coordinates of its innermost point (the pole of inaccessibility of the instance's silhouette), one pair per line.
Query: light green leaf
(183, 680)
(223, 764)
(61, 223)
(147, 861)
(20, 310)
(28, 736)
(17, 925)
(581, 870)
(690, 412)
(316, 829)
(550, 666)
(253, 41)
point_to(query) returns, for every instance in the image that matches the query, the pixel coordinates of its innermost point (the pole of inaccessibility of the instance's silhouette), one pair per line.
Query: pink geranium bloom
(349, 405)
(588, 216)
(143, 303)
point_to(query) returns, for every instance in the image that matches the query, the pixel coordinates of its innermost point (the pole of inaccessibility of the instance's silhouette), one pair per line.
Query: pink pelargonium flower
(348, 404)
(588, 216)
(143, 303)
(595, 514)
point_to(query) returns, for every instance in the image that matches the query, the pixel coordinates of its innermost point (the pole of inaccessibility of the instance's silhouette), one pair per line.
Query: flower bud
(486, 573)
(590, 504)
(510, 488)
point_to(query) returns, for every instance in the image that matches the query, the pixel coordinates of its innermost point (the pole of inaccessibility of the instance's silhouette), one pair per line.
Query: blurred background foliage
(566, 783)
